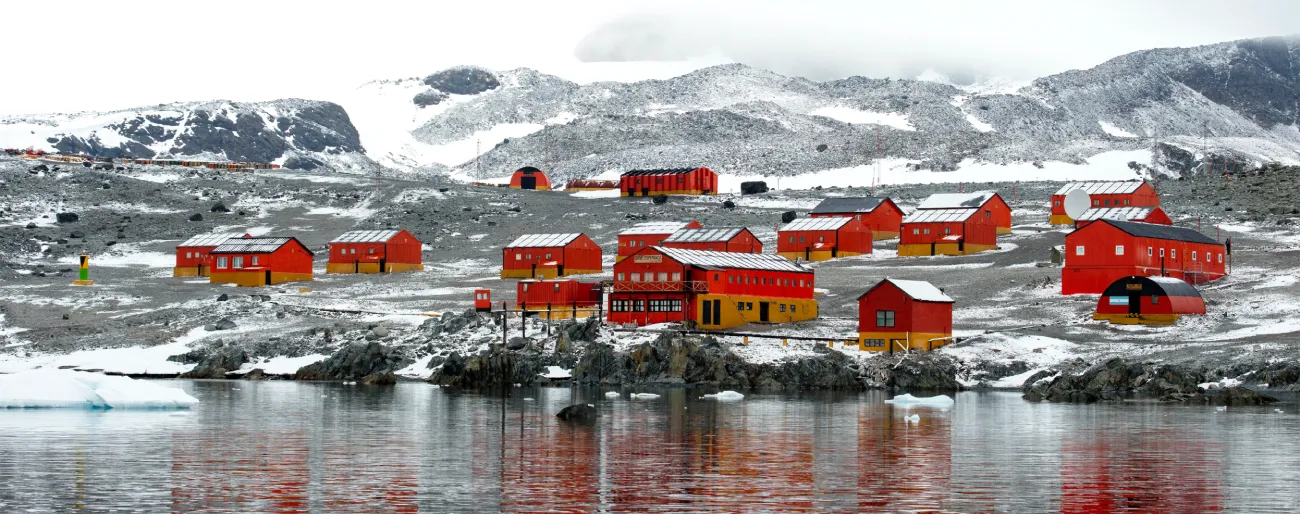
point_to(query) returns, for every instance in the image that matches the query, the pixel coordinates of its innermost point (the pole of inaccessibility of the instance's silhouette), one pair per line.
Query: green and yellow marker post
(83, 277)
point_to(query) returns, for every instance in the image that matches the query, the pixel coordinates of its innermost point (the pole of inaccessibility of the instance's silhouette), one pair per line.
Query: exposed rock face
(1117, 379)
(215, 365)
(463, 80)
(584, 413)
(429, 97)
(353, 362)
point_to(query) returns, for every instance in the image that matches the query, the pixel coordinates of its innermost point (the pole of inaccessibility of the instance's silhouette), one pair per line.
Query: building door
(528, 182)
(356, 266)
(835, 252)
(533, 273)
(1134, 305)
(707, 318)
(645, 191)
(763, 311)
(717, 312)
(559, 270)
(382, 267)
(268, 278)
(806, 252)
(961, 245)
(932, 249)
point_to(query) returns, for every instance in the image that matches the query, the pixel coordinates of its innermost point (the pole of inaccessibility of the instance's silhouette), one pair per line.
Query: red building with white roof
(715, 290)
(550, 256)
(260, 261)
(990, 204)
(947, 232)
(1131, 193)
(375, 251)
(1154, 215)
(717, 239)
(881, 215)
(1103, 251)
(192, 255)
(902, 315)
(820, 239)
(558, 299)
(650, 233)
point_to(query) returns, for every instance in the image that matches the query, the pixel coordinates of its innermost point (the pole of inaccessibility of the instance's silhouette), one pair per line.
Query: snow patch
(59, 388)
(1114, 131)
(859, 117)
(556, 372)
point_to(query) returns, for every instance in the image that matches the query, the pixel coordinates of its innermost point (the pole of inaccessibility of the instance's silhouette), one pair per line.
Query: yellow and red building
(821, 239)
(375, 251)
(903, 315)
(260, 261)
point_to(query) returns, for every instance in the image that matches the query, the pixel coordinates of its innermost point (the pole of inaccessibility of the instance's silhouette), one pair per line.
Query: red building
(1148, 301)
(720, 239)
(990, 204)
(375, 251)
(550, 256)
(1153, 215)
(1104, 251)
(260, 261)
(820, 239)
(715, 290)
(881, 215)
(582, 184)
(1130, 193)
(902, 315)
(558, 299)
(529, 177)
(650, 233)
(192, 255)
(947, 232)
(483, 300)
(678, 181)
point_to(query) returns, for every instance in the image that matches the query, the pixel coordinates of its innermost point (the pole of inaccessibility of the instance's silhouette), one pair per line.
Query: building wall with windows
(1102, 252)
(889, 319)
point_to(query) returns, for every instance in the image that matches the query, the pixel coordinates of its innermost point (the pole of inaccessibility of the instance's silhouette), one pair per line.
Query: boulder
(788, 216)
(77, 234)
(659, 199)
(728, 204)
(196, 217)
(353, 362)
(215, 365)
(30, 226)
(256, 374)
(379, 331)
(517, 343)
(40, 168)
(1233, 396)
(584, 413)
(753, 188)
(224, 324)
(224, 297)
(67, 217)
(429, 97)
(380, 379)
(219, 207)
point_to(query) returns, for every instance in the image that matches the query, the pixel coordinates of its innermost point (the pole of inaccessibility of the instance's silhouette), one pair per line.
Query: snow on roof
(939, 215)
(704, 235)
(252, 245)
(957, 200)
(848, 205)
(654, 227)
(542, 240)
(365, 236)
(206, 240)
(803, 224)
(1116, 213)
(920, 290)
(1102, 188)
(711, 259)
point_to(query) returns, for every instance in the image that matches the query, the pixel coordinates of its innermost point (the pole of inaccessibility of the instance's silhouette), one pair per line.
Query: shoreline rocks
(1116, 380)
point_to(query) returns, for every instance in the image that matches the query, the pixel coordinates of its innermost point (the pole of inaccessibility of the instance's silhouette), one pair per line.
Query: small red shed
(192, 255)
(483, 300)
(881, 215)
(375, 251)
(551, 255)
(820, 239)
(650, 233)
(947, 232)
(720, 239)
(558, 299)
(1153, 215)
(1136, 300)
(1130, 193)
(529, 177)
(676, 181)
(260, 261)
(1103, 251)
(990, 204)
(902, 315)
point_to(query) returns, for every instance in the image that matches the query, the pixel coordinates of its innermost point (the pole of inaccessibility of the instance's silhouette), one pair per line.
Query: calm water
(288, 447)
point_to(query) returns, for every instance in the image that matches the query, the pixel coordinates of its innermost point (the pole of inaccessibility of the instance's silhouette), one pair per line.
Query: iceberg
(556, 372)
(67, 389)
(725, 395)
(644, 396)
(612, 394)
(942, 400)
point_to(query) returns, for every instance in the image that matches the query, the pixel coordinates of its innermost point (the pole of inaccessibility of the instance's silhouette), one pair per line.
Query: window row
(1153, 252)
(529, 256)
(235, 262)
(353, 251)
(820, 239)
(650, 276)
(766, 281)
(917, 231)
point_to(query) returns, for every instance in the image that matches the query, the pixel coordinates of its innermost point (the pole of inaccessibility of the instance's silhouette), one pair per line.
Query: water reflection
(286, 447)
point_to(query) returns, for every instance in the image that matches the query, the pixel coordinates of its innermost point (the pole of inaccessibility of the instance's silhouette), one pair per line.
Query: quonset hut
(375, 251)
(1138, 300)
(550, 255)
(717, 239)
(946, 232)
(881, 215)
(820, 239)
(1104, 251)
(1130, 193)
(192, 255)
(716, 290)
(991, 206)
(904, 315)
(529, 177)
(676, 181)
(261, 261)
(650, 233)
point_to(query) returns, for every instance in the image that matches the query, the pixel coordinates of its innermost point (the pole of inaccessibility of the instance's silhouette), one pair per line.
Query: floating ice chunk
(556, 372)
(529, 400)
(644, 396)
(942, 400)
(612, 394)
(725, 395)
(1279, 411)
(349, 383)
(913, 418)
(75, 389)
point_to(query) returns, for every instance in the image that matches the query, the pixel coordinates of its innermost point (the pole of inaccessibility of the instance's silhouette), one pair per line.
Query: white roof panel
(939, 215)
(206, 240)
(1102, 188)
(654, 227)
(542, 240)
(365, 236)
(921, 290)
(252, 245)
(755, 261)
(1116, 213)
(807, 224)
(957, 200)
(704, 235)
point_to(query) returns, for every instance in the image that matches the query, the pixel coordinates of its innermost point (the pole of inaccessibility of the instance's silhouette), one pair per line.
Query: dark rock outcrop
(584, 413)
(753, 188)
(1116, 379)
(218, 363)
(429, 97)
(788, 216)
(463, 80)
(67, 217)
(383, 378)
(353, 362)
(219, 207)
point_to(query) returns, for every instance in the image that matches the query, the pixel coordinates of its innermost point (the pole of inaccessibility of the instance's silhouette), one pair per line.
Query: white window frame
(1078, 250)
(519, 256)
(254, 259)
(221, 263)
(1119, 249)
(237, 262)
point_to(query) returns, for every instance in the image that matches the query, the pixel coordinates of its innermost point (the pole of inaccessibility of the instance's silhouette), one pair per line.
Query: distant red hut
(720, 239)
(820, 239)
(545, 256)
(881, 215)
(375, 251)
(558, 299)
(650, 233)
(1153, 215)
(904, 315)
(529, 177)
(583, 184)
(260, 261)
(677, 181)
(1136, 300)
(483, 300)
(1131, 193)
(946, 232)
(192, 255)
(990, 204)
(1103, 251)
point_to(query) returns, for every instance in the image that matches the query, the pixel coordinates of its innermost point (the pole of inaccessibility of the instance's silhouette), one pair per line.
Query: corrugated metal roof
(206, 240)
(722, 260)
(252, 245)
(666, 171)
(542, 240)
(1116, 213)
(365, 236)
(1154, 231)
(654, 227)
(803, 224)
(1102, 188)
(861, 204)
(921, 290)
(939, 215)
(957, 200)
(704, 235)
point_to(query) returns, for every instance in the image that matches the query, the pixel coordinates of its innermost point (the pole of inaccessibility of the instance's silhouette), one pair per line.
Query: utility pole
(478, 157)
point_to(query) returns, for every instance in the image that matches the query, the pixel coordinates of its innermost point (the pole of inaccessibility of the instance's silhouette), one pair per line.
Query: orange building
(550, 256)
(375, 251)
(820, 239)
(260, 261)
(904, 315)
(192, 255)
(990, 204)
(881, 215)
(529, 177)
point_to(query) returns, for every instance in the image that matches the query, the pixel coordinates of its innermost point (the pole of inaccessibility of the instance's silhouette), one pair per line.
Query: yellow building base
(881, 236)
(189, 271)
(920, 250)
(1060, 219)
(256, 278)
(83, 282)
(821, 255)
(347, 268)
(545, 273)
(1004, 230)
(692, 192)
(559, 313)
(780, 310)
(901, 341)
(1139, 319)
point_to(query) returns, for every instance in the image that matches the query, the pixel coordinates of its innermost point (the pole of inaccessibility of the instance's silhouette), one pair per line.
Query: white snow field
(67, 389)
(859, 117)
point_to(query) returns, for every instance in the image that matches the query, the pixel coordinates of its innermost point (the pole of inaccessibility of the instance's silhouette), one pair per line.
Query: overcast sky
(93, 54)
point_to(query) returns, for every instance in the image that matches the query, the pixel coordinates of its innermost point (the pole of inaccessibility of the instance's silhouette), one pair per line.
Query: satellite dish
(1076, 202)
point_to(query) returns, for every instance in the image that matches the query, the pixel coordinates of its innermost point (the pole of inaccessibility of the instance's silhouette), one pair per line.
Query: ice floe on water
(725, 396)
(612, 394)
(908, 400)
(643, 396)
(79, 390)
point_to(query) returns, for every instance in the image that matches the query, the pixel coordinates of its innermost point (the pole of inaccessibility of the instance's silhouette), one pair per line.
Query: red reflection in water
(264, 472)
(902, 464)
(1144, 472)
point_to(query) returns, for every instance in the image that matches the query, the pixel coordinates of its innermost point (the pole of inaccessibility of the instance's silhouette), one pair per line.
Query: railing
(690, 286)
